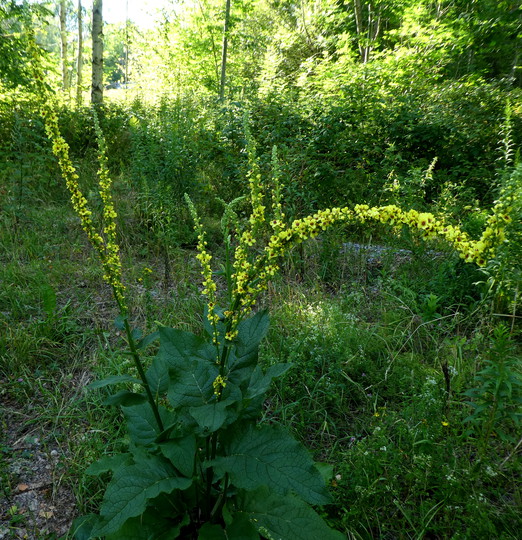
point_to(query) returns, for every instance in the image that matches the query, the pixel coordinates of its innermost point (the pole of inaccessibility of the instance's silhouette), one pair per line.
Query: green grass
(382, 351)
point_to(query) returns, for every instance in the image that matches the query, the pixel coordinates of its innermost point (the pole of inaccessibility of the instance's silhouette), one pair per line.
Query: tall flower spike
(112, 266)
(107, 248)
(204, 258)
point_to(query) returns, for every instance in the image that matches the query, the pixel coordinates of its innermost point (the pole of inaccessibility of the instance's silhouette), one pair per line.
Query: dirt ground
(35, 504)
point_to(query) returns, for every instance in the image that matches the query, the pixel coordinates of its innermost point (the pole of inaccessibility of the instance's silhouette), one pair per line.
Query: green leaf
(82, 527)
(181, 453)
(259, 382)
(150, 526)
(136, 334)
(326, 471)
(109, 464)
(147, 340)
(141, 422)
(119, 322)
(211, 532)
(250, 333)
(130, 489)
(285, 518)
(270, 457)
(113, 379)
(212, 416)
(125, 398)
(176, 350)
(241, 529)
(191, 384)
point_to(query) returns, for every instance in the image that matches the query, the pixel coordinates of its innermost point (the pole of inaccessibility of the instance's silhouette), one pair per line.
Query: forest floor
(364, 321)
(37, 500)
(40, 505)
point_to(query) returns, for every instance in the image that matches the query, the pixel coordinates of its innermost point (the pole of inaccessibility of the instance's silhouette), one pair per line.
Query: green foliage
(394, 382)
(496, 397)
(208, 463)
(504, 273)
(15, 18)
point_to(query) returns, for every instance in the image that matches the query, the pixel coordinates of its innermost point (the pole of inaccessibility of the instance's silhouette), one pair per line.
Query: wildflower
(218, 384)
(444, 423)
(106, 245)
(204, 258)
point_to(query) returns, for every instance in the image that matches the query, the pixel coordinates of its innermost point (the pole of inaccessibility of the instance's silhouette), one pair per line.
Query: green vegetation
(360, 182)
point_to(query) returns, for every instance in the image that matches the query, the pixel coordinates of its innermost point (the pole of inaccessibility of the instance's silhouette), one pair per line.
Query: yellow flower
(106, 246)
(218, 384)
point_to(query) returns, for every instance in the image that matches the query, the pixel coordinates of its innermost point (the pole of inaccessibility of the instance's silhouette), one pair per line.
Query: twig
(512, 453)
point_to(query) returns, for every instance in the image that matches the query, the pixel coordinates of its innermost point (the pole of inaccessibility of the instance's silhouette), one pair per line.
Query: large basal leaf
(270, 457)
(286, 518)
(131, 488)
(181, 453)
(142, 425)
(177, 348)
(241, 529)
(191, 384)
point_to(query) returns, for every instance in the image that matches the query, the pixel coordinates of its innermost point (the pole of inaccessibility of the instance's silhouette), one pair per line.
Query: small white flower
(491, 472)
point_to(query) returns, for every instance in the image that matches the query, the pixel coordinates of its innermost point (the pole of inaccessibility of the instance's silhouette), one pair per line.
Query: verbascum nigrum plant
(200, 462)
(262, 244)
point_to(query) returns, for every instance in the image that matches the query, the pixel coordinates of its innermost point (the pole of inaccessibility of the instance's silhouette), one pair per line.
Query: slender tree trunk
(359, 26)
(224, 53)
(63, 50)
(79, 65)
(127, 44)
(97, 52)
(367, 32)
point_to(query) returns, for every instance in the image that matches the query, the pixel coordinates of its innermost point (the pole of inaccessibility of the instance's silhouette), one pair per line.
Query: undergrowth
(406, 372)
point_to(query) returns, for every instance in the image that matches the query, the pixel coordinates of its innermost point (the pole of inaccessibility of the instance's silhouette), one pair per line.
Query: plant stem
(209, 476)
(141, 371)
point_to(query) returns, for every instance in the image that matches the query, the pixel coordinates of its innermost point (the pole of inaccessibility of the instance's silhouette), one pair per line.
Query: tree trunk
(97, 53)
(79, 65)
(224, 53)
(366, 33)
(359, 26)
(63, 50)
